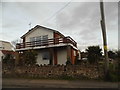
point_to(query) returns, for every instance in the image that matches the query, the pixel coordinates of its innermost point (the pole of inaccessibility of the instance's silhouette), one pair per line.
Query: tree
(94, 54)
(112, 54)
(14, 42)
(118, 57)
(118, 54)
(8, 60)
(84, 54)
(28, 58)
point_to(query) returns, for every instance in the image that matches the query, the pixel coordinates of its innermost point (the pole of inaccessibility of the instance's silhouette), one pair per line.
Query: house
(4, 45)
(53, 47)
(6, 48)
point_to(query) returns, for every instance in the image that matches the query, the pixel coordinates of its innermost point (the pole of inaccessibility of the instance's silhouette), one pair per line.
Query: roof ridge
(37, 26)
(4, 41)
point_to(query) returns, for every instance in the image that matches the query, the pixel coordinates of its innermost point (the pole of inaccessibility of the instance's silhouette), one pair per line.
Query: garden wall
(57, 71)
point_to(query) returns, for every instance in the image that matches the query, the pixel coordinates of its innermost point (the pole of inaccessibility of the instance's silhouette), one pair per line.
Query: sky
(79, 20)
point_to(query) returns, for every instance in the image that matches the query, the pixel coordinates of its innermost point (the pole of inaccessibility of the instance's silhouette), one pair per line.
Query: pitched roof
(8, 52)
(4, 41)
(38, 26)
(5, 45)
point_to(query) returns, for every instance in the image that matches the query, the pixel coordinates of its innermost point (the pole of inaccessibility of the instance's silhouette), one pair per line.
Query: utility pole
(104, 37)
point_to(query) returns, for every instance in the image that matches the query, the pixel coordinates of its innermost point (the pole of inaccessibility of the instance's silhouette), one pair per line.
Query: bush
(94, 54)
(113, 74)
(28, 58)
(113, 77)
(8, 60)
(68, 62)
(77, 61)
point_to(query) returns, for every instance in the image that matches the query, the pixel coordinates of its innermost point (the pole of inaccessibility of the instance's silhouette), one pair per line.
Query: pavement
(34, 83)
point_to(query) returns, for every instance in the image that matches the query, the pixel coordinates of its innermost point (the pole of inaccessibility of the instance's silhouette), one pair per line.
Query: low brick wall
(58, 71)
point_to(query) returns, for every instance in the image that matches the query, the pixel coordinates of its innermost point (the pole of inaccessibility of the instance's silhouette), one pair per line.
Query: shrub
(68, 62)
(8, 60)
(94, 54)
(113, 74)
(28, 58)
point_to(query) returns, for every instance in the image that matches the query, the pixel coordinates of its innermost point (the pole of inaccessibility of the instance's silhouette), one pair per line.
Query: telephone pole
(104, 38)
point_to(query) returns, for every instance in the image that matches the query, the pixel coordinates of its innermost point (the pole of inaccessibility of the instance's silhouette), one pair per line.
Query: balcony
(54, 41)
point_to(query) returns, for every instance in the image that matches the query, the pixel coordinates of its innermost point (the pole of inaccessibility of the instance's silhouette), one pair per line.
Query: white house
(52, 46)
(5, 47)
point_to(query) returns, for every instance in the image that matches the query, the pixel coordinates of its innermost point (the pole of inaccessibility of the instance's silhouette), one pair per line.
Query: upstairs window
(41, 39)
(45, 39)
(32, 40)
(38, 38)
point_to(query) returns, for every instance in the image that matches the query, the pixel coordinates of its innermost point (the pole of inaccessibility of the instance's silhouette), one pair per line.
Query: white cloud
(81, 20)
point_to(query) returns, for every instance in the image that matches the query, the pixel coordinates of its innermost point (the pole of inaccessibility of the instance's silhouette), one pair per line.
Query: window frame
(45, 55)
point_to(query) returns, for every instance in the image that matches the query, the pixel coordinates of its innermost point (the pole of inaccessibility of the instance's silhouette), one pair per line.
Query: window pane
(32, 39)
(45, 37)
(46, 55)
(38, 38)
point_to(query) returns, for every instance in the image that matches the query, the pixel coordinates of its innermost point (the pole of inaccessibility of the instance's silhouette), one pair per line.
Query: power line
(57, 11)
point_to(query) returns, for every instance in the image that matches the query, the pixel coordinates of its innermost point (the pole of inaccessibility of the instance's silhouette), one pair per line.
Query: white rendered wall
(39, 32)
(6, 46)
(40, 58)
(1, 54)
(62, 56)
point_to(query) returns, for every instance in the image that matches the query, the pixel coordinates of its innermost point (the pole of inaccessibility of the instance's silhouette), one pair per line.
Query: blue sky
(79, 20)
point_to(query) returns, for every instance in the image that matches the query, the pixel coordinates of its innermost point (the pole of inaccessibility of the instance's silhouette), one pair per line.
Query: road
(27, 83)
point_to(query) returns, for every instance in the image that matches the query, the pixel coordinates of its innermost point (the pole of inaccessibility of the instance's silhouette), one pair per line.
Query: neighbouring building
(53, 47)
(6, 48)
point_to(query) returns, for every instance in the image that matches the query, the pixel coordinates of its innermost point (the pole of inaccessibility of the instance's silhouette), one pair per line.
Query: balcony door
(44, 40)
(38, 41)
(32, 40)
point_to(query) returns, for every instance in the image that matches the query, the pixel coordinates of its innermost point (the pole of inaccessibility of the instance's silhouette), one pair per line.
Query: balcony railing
(48, 42)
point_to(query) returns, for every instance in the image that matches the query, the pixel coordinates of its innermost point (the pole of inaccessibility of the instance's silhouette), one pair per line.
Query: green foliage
(113, 74)
(68, 62)
(28, 58)
(94, 54)
(112, 54)
(118, 59)
(77, 61)
(8, 60)
(118, 53)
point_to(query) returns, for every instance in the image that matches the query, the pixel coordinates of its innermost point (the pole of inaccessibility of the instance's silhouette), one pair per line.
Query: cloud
(119, 25)
(81, 20)
(81, 15)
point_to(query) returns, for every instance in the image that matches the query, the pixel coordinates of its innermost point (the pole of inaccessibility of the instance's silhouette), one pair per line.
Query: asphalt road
(27, 83)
